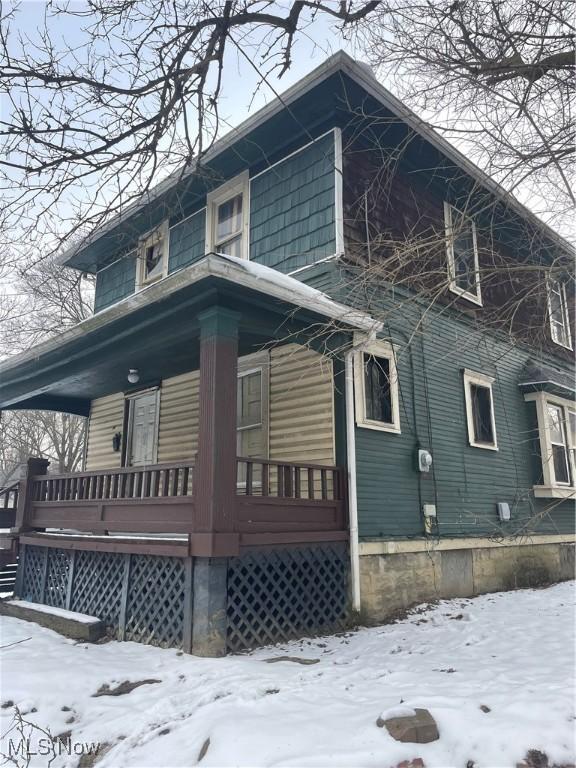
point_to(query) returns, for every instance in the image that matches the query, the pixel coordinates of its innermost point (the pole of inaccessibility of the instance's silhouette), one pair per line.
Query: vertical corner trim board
(301, 413)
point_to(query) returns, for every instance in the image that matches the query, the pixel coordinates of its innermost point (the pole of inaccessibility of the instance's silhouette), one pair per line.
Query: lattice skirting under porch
(280, 594)
(271, 596)
(139, 597)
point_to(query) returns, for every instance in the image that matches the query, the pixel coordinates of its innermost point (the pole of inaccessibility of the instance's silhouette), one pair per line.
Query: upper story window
(376, 387)
(227, 218)
(153, 256)
(558, 312)
(462, 252)
(557, 435)
(480, 410)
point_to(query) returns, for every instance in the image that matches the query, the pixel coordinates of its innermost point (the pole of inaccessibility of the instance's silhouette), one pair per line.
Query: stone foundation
(393, 581)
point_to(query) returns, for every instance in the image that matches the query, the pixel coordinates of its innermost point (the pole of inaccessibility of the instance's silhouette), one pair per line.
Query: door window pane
(377, 389)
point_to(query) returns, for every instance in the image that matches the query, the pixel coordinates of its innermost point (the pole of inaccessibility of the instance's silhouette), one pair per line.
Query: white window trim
(480, 379)
(550, 488)
(128, 398)
(160, 233)
(379, 349)
(475, 298)
(564, 309)
(239, 185)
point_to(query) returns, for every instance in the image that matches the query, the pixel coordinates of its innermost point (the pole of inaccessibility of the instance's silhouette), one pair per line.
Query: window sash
(559, 452)
(481, 427)
(558, 312)
(462, 251)
(369, 378)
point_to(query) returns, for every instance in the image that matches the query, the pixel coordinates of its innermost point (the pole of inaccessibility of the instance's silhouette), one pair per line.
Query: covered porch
(214, 510)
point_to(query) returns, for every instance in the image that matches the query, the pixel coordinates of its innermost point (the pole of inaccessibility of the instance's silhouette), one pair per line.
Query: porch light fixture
(133, 376)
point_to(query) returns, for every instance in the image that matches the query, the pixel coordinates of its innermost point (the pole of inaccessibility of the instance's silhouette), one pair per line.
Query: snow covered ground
(511, 653)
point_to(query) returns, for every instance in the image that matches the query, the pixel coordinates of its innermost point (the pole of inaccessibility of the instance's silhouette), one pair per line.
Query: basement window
(462, 252)
(557, 437)
(558, 313)
(227, 219)
(376, 388)
(480, 410)
(153, 256)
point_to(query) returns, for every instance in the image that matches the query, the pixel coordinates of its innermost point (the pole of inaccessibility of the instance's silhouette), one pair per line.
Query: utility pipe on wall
(351, 461)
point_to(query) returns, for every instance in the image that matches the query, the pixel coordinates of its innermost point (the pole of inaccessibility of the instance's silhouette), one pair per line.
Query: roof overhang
(156, 331)
(537, 377)
(246, 142)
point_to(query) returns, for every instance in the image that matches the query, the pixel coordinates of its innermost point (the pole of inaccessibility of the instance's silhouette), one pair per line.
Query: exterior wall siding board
(465, 482)
(301, 413)
(115, 282)
(106, 418)
(292, 212)
(187, 242)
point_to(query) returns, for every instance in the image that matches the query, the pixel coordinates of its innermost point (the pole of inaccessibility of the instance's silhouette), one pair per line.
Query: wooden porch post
(215, 538)
(34, 466)
(215, 471)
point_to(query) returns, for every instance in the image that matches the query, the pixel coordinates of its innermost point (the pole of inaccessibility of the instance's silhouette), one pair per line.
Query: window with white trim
(557, 436)
(558, 313)
(253, 408)
(480, 410)
(228, 217)
(153, 256)
(376, 387)
(462, 253)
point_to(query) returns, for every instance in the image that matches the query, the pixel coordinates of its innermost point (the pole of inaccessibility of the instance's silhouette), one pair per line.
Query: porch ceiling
(156, 331)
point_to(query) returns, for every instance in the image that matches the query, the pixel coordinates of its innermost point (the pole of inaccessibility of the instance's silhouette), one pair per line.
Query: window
(462, 251)
(558, 312)
(252, 413)
(558, 443)
(227, 219)
(480, 410)
(376, 387)
(557, 436)
(153, 256)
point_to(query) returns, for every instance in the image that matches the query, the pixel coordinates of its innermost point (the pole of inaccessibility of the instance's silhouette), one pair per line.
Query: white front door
(142, 429)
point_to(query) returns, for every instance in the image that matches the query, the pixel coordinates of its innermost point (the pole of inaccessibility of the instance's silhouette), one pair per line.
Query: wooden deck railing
(8, 504)
(146, 482)
(276, 502)
(289, 480)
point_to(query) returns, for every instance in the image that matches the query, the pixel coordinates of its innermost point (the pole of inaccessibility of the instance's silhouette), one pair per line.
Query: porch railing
(8, 504)
(275, 501)
(289, 480)
(146, 482)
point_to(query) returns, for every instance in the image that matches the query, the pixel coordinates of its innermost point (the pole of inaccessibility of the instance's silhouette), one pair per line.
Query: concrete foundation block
(68, 623)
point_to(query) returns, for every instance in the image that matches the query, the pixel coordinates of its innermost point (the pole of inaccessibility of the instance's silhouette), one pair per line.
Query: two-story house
(328, 375)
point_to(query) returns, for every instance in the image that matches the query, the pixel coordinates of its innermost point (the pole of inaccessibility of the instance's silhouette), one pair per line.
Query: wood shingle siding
(292, 214)
(187, 241)
(115, 282)
(106, 418)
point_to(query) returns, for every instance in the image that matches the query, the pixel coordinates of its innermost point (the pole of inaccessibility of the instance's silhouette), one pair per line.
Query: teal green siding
(115, 282)
(466, 482)
(292, 209)
(187, 241)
